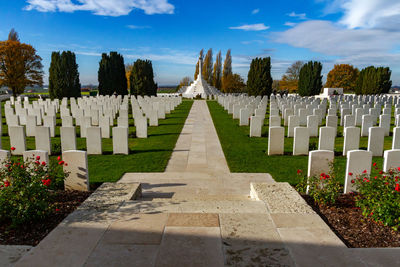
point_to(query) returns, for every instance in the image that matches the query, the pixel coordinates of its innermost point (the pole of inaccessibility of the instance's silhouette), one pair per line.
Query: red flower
(327, 176)
(380, 172)
(6, 184)
(12, 148)
(57, 210)
(61, 162)
(43, 163)
(397, 188)
(65, 164)
(46, 182)
(350, 173)
(37, 162)
(352, 181)
(58, 158)
(37, 157)
(365, 171)
(374, 164)
(322, 174)
(299, 171)
(386, 183)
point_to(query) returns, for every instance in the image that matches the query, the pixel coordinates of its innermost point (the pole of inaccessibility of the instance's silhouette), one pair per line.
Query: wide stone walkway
(197, 213)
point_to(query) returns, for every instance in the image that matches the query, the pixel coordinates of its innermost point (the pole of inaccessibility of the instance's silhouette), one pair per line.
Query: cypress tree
(310, 79)
(207, 67)
(64, 75)
(141, 78)
(227, 70)
(373, 81)
(111, 74)
(259, 80)
(217, 71)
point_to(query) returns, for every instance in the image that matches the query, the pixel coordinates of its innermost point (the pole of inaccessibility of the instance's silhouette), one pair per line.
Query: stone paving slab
(11, 254)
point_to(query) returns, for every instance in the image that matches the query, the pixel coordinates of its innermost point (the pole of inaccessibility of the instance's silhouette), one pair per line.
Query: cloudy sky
(171, 32)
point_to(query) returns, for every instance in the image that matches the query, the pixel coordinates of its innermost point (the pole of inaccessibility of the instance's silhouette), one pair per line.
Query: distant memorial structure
(200, 86)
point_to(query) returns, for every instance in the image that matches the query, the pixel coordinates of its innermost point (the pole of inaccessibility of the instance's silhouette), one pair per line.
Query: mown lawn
(146, 155)
(245, 154)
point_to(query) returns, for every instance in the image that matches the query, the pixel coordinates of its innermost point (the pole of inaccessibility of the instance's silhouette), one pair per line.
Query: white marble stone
(68, 138)
(93, 141)
(77, 167)
(376, 140)
(358, 162)
(17, 139)
(301, 141)
(276, 139)
(326, 139)
(42, 139)
(391, 159)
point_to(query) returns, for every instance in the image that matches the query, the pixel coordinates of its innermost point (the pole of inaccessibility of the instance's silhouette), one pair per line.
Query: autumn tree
(372, 80)
(111, 74)
(234, 84)
(227, 70)
(259, 80)
(196, 72)
(64, 75)
(290, 79)
(207, 67)
(186, 81)
(20, 66)
(310, 79)
(128, 69)
(342, 76)
(217, 71)
(142, 78)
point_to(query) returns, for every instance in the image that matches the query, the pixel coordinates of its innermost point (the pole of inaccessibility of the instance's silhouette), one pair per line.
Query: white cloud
(134, 27)
(368, 14)
(299, 16)
(251, 27)
(252, 42)
(255, 11)
(102, 7)
(290, 24)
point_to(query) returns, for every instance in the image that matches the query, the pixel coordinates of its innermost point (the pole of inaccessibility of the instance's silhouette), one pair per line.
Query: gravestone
(77, 167)
(319, 161)
(17, 139)
(120, 140)
(358, 162)
(276, 138)
(31, 156)
(42, 139)
(301, 141)
(68, 138)
(93, 141)
(256, 126)
(391, 159)
(327, 138)
(351, 139)
(376, 140)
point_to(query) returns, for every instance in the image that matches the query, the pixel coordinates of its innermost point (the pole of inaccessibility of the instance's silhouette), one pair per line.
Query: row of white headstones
(94, 116)
(353, 110)
(88, 113)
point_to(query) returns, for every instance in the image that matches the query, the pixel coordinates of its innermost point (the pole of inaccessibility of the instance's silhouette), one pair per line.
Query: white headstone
(276, 138)
(358, 162)
(301, 141)
(120, 140)
(77, 167)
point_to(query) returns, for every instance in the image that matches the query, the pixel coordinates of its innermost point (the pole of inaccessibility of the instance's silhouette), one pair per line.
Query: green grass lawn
(146, 155)
(245, 154)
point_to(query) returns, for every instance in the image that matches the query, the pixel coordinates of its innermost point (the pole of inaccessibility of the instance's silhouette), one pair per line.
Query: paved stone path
(197, 213)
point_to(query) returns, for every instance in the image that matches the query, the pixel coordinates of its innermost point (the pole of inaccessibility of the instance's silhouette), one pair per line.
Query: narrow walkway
(197, 213)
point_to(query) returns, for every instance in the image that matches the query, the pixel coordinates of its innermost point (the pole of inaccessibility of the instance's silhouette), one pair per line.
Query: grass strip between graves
(146, 155)
(245, 154)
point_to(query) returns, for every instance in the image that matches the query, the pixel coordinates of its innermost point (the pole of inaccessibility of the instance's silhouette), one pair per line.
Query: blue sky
(172, 32)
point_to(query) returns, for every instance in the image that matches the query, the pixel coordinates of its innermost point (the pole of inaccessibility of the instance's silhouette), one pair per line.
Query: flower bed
(32, 199)
(369, 218)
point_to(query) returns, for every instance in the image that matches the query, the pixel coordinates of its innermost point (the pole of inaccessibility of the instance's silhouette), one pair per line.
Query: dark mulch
(355, 230)
(65, 201)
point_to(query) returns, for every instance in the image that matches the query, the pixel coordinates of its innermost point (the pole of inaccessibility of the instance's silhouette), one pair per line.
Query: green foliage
(217, 71)
(310, 79)
(324, 189)
(111, 75)
(259, 80)
(372, 80)
(25, 190)
(379, 197)
(142, 78)
(234, 84)
(64, 75)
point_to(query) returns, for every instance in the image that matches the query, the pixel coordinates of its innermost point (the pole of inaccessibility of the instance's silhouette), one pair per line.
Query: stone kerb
(77, 169)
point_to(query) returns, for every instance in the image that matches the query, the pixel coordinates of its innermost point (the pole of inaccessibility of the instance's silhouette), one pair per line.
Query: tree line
(20, 67)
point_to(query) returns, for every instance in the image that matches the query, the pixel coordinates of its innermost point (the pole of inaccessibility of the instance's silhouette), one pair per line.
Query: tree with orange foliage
(20, 66)
(342, 76)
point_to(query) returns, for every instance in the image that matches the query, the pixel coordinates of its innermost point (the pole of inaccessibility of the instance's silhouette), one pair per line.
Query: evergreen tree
(196, 72)
(259, 80)
(142, 78)
(310, 79)
(373, 80)
(207, 67)
(111, 74)
(227, 70)
(64, 75)
(217, 71)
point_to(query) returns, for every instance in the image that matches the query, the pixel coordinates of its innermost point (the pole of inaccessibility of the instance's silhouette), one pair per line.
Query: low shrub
(379, 196)
(26, 189)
